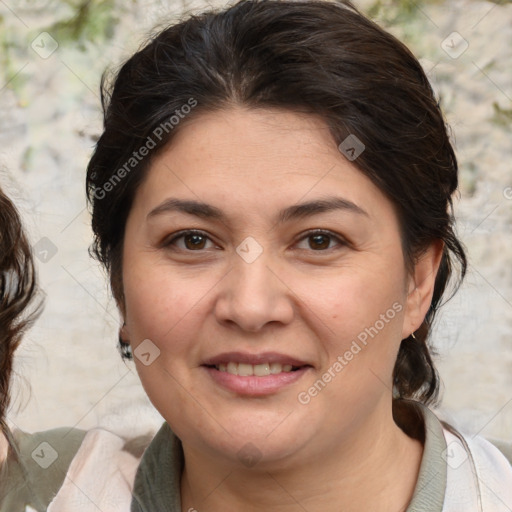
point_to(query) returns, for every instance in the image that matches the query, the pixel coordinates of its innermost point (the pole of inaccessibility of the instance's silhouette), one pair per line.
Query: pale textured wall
(49, 116)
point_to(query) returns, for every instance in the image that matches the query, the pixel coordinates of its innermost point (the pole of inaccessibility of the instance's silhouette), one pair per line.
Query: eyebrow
(296, 211)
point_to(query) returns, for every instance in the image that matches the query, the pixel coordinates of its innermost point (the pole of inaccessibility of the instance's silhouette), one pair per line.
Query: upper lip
(260, 358)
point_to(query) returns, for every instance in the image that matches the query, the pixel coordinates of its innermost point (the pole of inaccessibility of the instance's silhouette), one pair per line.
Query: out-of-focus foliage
(90, 21)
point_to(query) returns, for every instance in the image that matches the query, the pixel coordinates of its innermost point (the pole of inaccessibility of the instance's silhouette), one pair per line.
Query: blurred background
(52, 55)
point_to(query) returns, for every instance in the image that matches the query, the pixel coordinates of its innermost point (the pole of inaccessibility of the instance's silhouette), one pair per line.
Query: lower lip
(253, 385)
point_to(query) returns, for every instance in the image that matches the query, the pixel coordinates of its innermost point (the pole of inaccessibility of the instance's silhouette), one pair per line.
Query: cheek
(361, 322)
(164, 306)
(356, 300)
(360, 317)
(164, 311)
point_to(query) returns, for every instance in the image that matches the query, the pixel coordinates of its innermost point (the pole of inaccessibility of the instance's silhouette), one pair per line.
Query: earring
(124, 347)
(413, 337)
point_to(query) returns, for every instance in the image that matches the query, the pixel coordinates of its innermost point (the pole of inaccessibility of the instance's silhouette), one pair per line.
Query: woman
(272, 199)
(61, 469)
(25, 480)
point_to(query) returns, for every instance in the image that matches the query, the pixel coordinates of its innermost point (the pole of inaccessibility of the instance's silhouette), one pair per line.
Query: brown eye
(321, 240)
(192, 241)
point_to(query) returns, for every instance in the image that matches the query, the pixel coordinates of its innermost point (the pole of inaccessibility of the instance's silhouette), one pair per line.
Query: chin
(253, 443)
(259, 454)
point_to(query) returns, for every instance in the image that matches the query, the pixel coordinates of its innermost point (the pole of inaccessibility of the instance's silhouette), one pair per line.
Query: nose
(253, 295)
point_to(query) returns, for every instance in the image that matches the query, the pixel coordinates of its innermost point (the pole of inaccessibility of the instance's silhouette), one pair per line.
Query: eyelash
(341, 241)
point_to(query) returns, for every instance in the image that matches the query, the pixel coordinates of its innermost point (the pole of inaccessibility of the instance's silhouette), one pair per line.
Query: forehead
(256, 160)
(255, 139)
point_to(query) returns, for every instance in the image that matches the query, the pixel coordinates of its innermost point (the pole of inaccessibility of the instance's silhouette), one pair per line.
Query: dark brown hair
(318, 57)
(18, 288)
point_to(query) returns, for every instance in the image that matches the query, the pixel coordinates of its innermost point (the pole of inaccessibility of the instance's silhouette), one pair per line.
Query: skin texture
(302, 296)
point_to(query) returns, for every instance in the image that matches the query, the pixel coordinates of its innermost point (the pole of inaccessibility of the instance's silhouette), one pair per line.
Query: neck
(375, 468)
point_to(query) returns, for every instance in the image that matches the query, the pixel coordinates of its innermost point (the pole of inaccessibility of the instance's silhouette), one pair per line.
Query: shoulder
(504, 447)
(102, 473)
(478, 472)
(67, 469)
(36, 466)
(59, 444)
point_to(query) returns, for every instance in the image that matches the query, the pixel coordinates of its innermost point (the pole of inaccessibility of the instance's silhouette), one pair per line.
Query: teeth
(275, 368)
(260, 370)
(245, 370)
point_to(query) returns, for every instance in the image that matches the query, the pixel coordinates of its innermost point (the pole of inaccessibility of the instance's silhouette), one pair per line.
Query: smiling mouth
(258, 370)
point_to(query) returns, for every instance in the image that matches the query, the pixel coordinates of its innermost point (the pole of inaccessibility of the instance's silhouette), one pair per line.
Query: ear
(123, 333)
(421, 287)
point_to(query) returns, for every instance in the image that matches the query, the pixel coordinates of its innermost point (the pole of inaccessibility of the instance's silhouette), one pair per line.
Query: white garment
(479, 477)
(100, 476)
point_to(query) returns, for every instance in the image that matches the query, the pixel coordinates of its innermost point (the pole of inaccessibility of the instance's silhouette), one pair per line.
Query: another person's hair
(18, 289)
(318, 57)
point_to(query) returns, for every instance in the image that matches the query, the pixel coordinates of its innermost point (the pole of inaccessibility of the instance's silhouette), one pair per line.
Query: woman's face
(272, 330)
